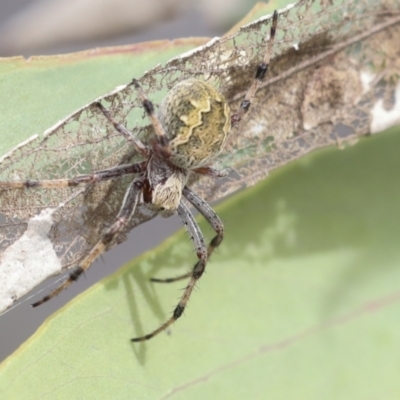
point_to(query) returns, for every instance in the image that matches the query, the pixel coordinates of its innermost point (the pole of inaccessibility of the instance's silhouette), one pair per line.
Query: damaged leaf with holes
(331, 80)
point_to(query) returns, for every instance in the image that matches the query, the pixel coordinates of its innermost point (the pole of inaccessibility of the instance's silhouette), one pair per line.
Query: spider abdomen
(197, 121)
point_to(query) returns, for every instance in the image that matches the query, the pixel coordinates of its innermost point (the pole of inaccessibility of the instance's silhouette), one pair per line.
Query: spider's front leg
(211, 216)
(122, 219)
(201, 251)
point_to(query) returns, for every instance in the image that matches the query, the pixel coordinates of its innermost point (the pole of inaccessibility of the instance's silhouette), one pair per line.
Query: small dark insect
(190, 131)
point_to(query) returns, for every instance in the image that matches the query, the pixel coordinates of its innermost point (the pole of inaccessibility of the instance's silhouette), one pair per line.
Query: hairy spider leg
(139, 146)
(123, 217)
(213, 172)
(162, 146)
(96, 176)
(201, 251)
(200, 204)
(262, 69)
(132, 195)
(211, 216)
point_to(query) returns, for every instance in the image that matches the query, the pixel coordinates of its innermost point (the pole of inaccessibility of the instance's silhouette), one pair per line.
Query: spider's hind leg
(213, 172)
(261, 71)
(139, 146)
(161, 146)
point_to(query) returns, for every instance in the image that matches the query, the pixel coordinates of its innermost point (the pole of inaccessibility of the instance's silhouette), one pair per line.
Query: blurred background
(58, 26)
(41, 27)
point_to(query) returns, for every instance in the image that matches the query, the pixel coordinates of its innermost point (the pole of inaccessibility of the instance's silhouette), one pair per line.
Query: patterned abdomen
(197, 121)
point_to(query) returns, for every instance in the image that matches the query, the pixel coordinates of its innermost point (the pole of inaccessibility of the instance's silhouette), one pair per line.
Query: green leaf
(301, 301)
(37, 93)
(28, 85)
(325, 88)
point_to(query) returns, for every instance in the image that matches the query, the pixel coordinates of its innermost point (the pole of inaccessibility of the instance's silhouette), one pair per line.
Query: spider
(190, 130)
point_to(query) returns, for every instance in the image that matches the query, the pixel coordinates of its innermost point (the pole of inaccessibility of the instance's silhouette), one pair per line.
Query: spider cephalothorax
(190, 130)
(163, 184)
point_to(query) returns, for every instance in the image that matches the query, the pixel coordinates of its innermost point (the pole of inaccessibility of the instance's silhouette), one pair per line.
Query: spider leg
(124, 215)
(139, 146)
(214, 173)
(211, 216)
(195, 275)
(162, 146)
(96, 176)
(260, 73)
